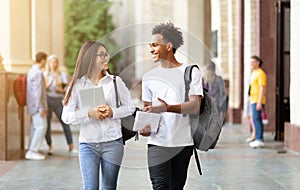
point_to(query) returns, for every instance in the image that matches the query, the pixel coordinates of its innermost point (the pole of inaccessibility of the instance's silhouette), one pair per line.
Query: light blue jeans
(106, 156)
(37, 131)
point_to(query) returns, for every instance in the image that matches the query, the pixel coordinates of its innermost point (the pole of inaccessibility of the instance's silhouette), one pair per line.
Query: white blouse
(93, 130)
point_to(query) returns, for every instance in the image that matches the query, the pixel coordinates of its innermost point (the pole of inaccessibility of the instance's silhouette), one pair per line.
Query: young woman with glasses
(100, 138)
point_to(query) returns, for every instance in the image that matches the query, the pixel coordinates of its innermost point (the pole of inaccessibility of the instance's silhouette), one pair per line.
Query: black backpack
(206, 125)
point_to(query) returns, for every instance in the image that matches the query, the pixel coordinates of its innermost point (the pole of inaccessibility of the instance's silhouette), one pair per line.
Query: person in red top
(258, 85)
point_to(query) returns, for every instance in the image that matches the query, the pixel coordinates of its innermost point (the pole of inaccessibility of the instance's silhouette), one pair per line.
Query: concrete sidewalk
(232, 165)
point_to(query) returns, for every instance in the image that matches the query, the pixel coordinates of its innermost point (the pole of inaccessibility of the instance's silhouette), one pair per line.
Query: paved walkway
(232, 165)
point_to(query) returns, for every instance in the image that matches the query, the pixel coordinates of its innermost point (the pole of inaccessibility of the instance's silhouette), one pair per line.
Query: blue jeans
(168, 166)
(55, 105)
(105, 155)
(257, 120)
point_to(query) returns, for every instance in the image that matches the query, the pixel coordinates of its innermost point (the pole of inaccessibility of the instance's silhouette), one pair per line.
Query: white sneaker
(31, 155)
(256, 144)
(73, 152)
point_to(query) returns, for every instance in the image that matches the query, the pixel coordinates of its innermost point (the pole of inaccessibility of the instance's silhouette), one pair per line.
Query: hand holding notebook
(144, 118)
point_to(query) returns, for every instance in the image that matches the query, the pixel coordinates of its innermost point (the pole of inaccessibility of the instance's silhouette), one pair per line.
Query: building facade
(27, 27)
(236, 30)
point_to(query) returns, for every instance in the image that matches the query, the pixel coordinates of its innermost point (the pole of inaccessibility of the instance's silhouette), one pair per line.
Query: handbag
(265, 120)
(128, 121)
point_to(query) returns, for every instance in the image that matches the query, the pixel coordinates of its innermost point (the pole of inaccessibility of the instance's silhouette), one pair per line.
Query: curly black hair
(170, 34)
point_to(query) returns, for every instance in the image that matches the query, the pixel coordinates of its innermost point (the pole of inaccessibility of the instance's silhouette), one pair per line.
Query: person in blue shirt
(36, 106)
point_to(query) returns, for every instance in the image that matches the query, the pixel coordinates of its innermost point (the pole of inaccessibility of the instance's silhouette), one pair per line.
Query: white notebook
(144, 118)
(91, 97)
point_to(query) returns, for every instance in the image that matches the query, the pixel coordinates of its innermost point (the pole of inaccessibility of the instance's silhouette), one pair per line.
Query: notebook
(144, 118)
(91, 97)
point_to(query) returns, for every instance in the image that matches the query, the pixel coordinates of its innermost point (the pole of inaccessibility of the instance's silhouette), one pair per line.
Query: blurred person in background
(248, 113)
(215, 87)
(36, 106)
(258, 86)
(56, 82)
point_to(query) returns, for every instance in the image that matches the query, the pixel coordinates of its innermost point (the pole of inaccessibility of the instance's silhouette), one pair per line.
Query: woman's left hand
(105, 111)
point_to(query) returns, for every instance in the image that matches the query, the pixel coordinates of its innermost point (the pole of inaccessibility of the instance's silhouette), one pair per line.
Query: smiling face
(102, 58)
(53, 64)
(158, 48)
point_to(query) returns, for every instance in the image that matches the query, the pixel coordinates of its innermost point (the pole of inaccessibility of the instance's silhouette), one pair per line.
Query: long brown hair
(84, 64)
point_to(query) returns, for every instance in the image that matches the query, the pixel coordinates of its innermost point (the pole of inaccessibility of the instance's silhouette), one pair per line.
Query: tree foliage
(84, 20)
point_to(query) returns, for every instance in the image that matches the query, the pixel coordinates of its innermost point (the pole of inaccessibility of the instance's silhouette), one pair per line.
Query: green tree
(85, 20)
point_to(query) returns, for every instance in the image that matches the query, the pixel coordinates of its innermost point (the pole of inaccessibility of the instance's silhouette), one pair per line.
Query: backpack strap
(187, 82)
(188, 79)
(197, 161)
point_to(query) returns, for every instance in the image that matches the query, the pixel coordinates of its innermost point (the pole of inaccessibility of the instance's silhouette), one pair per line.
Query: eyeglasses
(103, 55)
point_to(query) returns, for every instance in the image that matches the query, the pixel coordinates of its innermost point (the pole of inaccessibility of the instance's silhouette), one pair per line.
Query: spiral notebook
(144, 118)
(91, 97)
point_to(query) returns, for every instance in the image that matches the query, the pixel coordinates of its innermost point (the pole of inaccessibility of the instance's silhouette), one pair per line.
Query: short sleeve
(262, 81)
(64, 77)
(196, 84)
(146, 93)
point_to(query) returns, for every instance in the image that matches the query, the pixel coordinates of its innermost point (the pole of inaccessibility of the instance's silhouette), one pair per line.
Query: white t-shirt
(168, 84)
